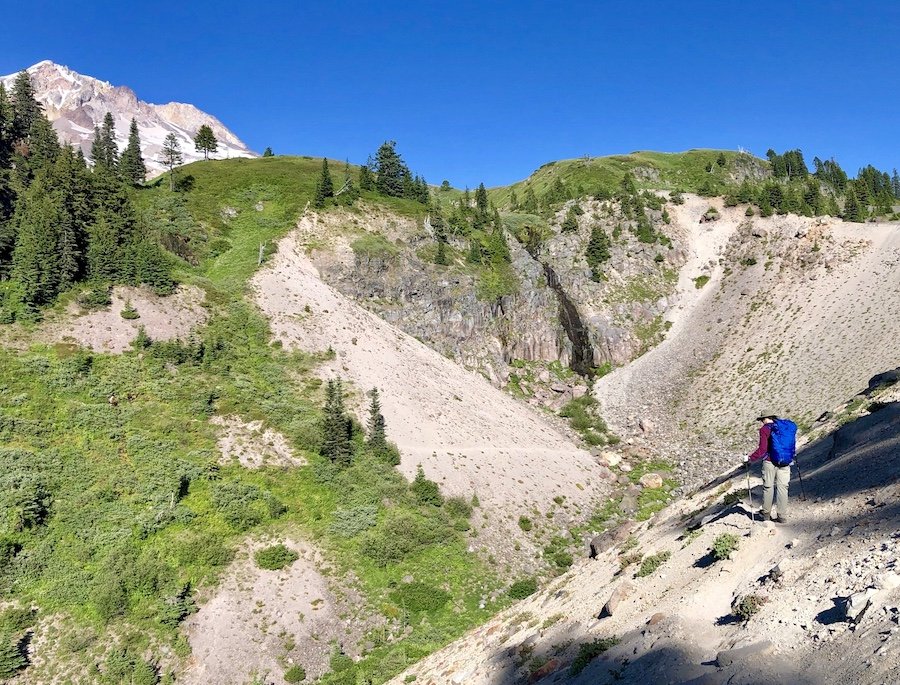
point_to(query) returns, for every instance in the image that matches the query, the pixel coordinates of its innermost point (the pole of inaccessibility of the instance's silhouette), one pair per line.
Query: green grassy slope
(684, 171)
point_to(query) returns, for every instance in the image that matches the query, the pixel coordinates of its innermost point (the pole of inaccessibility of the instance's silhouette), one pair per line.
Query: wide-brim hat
(769, 415)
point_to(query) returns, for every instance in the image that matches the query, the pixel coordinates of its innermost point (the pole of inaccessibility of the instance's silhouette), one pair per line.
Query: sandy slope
(674, 623)
(468, 436)
(799, 335)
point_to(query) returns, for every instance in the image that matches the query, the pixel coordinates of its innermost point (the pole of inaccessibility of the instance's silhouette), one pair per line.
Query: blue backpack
(783, 442)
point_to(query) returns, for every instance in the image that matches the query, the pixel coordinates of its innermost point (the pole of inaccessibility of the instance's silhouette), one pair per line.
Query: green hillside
(116, 510)
(691, 171)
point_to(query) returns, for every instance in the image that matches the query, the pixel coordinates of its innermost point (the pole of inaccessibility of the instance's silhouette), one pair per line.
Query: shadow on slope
(859, 461)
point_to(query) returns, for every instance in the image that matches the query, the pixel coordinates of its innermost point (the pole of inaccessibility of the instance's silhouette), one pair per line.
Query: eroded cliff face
(540, 341)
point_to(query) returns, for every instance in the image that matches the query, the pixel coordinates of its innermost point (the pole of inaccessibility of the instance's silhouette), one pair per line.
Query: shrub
(525, 523)
(349, 523)
(418, 597)
(732, 498)
(588, 651)
(295, 674)
(244, 506)
(522, 588)
(458, 507)
(700, 281)
(426, 491)
(95, 298)
(651, 563)
(748, 261)
(401, 533)
(275, 557)
(723, 546)
(748, 605)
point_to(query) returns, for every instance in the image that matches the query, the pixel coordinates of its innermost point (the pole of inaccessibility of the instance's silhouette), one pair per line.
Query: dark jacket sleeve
(762, 451)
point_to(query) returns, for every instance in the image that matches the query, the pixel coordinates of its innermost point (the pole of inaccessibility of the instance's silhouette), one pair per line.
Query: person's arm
(763, 448)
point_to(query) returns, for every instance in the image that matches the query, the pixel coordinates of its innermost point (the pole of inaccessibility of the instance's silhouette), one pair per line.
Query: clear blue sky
(477, 91)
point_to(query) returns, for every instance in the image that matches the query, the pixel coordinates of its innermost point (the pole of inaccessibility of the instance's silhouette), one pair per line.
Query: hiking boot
(780, 519)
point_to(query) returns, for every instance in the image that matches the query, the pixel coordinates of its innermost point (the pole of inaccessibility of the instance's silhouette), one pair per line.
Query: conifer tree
(324, 186)
(853, 209)
(598, 250)
(131, 164)
(337, 427)
(36, 256)
(103, 251)
(895, 184)
(171, 157)
(391, 172)
(205, 141)
(440, 256)
(481, 200)
(377, 439)
(513, 201)
(104, 151)
(268, 152)
(366, 177)
(570, 223)
(6, 129)
(26, 109)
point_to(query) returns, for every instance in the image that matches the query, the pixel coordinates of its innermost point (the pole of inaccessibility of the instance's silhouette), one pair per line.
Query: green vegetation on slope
(118, 510)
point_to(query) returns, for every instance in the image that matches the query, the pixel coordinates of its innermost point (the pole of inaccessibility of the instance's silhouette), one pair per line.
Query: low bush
(418, 597)
(748, 605)
(295, 674)
(651, 563)
(588, 651)
(723, 546)
(525, 523)
(522, 588)
(426, 491)
(275, 557)
(349, 523)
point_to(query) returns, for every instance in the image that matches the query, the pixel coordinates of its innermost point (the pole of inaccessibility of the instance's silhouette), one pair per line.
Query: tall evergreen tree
(337, 427)
(853, 208)
(6, 129)
(131, 164)
(26, 109)
(377, 439)
(12, 656)
(171, 156)
(268, 152)
(205, 141)
(324, 186)
(391, 172)
(36, 256)
(895, 184)
(598, 250)
(104, 151)
(103, 255)
(481, 200)
(513, 201)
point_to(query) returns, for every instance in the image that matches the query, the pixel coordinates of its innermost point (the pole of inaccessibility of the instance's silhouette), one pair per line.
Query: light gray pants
(775, 481)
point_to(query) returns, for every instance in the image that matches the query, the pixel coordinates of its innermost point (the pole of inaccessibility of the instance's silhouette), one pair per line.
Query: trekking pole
(800, 476)
(750, 498)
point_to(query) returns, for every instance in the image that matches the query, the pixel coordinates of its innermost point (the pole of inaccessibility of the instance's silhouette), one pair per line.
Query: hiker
(777, 447)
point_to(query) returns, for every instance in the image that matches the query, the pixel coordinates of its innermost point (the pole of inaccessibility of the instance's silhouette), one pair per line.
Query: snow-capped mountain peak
(76, 103)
